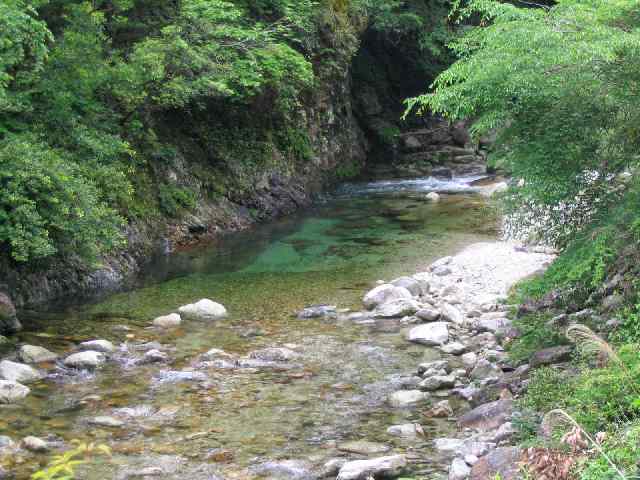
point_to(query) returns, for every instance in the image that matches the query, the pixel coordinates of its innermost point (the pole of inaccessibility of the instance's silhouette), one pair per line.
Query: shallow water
(231, 421)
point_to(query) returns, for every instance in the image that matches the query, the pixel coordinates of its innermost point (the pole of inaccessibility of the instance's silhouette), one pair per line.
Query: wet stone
(103, 346)
(18, 372)
(36, 354)
(104, 421)
(167, 321)
(35, 444)
(363, 447)
(408, 430)
(318, 311)
(407, 398)
(379, 468)
(285, 469)
(88, 359)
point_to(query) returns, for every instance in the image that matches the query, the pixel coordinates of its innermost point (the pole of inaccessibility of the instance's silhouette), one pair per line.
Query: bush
(47, 206)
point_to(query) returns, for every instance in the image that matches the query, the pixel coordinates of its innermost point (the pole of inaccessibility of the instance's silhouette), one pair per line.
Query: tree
(559, 83)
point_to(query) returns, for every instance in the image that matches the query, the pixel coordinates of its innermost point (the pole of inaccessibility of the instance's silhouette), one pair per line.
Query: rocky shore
(455, 310)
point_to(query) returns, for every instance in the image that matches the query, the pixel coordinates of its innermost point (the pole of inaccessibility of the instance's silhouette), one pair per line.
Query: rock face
(204, 309)
(12, 392)
(89, 359)
(9, 322)
(430, 334)
(488, 416)
(501, 463)
(35, 354)
(383, 294)
(18, 372)
(167, 321)
(379, 468)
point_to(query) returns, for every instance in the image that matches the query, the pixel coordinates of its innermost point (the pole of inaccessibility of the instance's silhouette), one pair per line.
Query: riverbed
(244, 423)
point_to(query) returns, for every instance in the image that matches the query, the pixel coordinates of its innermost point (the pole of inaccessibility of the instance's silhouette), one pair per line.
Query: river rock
(9, 322)
(103, 346)
(284, 469)
(167, 321)
(407, 398)
(548, 356)
(503, 463)
(6, 444)
(438, 382)
(469, 359)
(408, 430)
(274, 354)
(433, 368)
(35, 444)
(18, 372)
(442, 409)
(430, 334)
(396, 308)
(385, 293)
(153, 356)
(488, 416)
(452, 314)
(318, 311)
(176, 376)
(504, 432)
(35, 354)
(415, 286)
(88, 359)
(428, 314)
(492, 323)
(331, 467)
(12, 392)
(433, 196)
(459, 470)
(452, 447)
(363, 447)
(484, 370)
(217, 354)
(204, 309)
(453, 348)
(104, 421)
(379, 468)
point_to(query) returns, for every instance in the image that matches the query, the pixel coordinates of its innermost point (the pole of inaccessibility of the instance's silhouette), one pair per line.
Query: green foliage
(623, 448)
(62, 467)
(174, 199)
(559, 85)
(48, 205)
(535, 335)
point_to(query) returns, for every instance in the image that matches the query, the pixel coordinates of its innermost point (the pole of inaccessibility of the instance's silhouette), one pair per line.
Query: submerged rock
(364, 447)
(318, 311)
(18, 372)
(204, 309)
(430, 334)
(289, 469)
(167, 321)
(408, 430)
(12, 392)
(35, 354)
(274, 354)
(89, 359)
(175, 376)
(103, 346)
(108, 422)
(379, 468)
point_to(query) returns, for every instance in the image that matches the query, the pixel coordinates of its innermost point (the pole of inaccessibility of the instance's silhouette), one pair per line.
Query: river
(231, 423)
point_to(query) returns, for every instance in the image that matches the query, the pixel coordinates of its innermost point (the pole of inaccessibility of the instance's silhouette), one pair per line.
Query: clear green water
(331, 254)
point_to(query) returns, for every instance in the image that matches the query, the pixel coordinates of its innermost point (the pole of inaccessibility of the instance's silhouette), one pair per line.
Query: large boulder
(415, 286)
(36, 354)
(12, 392)
(379, 468)
(204, 309)
(383, 294)
(18, 372)
(488, 416)
(9, 322)
(503, 463)
(430, 334)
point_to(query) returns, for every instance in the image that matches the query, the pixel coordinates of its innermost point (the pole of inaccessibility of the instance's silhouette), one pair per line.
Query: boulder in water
(382, 467)
(12, 392)
(318, 311)
(430, 334)
(89, 359)
(36, 354)
(204, 309)
(168, 321)
(103, 346)
(385, 293)
(18, 372)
